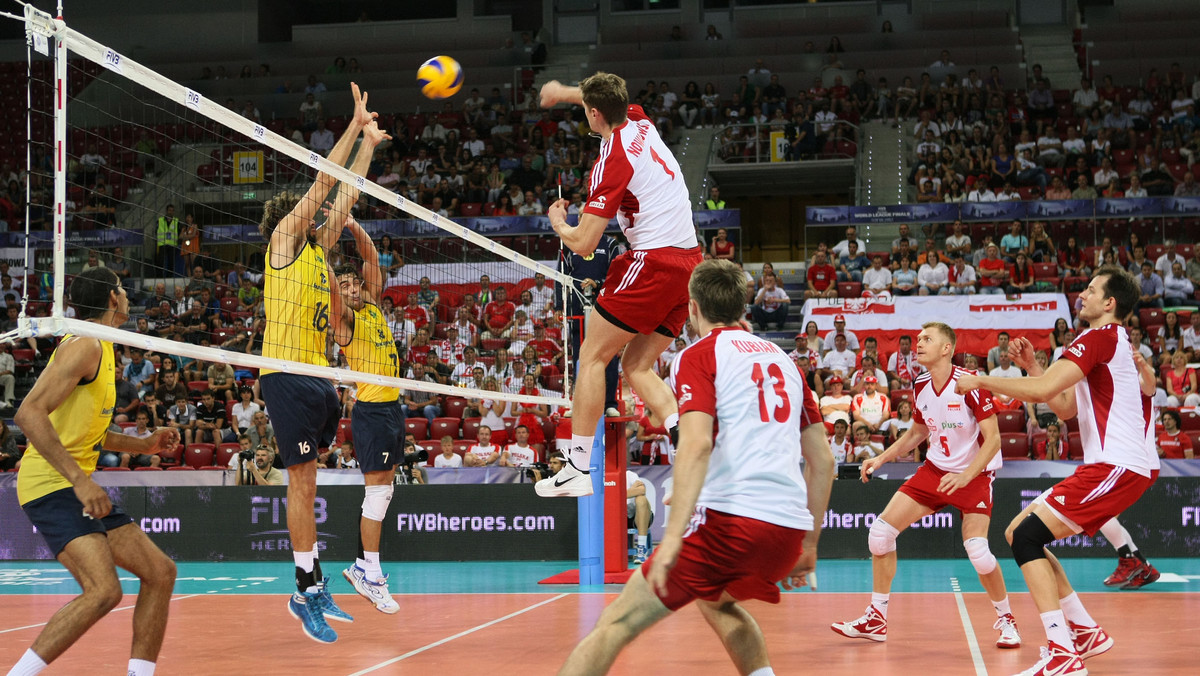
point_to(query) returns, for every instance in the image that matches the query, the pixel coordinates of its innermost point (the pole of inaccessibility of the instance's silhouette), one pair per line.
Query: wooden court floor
(231, 619)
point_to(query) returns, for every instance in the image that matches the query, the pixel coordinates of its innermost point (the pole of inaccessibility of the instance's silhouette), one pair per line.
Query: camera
(246, 455)
(532, 472)
(412, 457)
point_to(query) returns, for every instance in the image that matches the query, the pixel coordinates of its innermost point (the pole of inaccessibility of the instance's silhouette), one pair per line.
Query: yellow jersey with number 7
(296, 303)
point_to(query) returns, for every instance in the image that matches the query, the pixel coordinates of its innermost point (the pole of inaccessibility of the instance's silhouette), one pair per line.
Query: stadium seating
(199, 456)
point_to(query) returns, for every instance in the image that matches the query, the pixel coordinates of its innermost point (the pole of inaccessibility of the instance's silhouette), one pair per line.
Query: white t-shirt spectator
(834, 416)
(442, 461)
(770, 299)
(877, 280)
(843, 361)
(958, 241)
(1011, 372)
(243, 414)
(851, 340)
(521, 456)
(983, 194)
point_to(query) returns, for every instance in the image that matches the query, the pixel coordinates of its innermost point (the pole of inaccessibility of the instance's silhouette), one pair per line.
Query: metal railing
(751, 142)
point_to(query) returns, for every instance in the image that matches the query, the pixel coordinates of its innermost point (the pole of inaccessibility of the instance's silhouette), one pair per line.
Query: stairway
(1051, 47)
(885, 164)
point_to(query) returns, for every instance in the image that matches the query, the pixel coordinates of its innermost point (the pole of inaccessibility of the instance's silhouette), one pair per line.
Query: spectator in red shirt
(993, 271)
(821, 278)
(548, 351)
(839, 95)
(1053, 447)
(1172, 443)
(498, 314)
(416, 314)
(419, 347)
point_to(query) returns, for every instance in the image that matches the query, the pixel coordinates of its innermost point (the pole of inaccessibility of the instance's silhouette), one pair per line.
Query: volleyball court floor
(493, 618)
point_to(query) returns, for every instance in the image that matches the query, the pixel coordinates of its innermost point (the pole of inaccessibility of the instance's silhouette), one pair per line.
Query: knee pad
(980, 555)
(1029, 541)
(881, 539)
(376, 501)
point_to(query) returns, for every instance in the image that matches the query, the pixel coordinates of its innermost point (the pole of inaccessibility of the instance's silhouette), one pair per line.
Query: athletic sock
(643, 540)
(581, 451)
(1056, 628)
(317, 575)
(764, 671)
(1137, 553)
(1002, 607)
(141, 668)
(880, 601)
(1073, 608)
(29, 665)
(671, 422)
(305, 581)
(371, 565)
(1124, 552)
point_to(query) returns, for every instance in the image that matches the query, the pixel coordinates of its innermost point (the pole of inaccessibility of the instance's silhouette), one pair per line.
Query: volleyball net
(165, 185)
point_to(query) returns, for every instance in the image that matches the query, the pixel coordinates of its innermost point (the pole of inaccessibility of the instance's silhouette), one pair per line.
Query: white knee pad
(881, 539)
(376, 501)
(981, 556)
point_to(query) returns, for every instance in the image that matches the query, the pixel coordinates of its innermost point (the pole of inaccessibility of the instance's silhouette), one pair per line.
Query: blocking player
(66, 417)
(376, 420)
(643, 304)
(742, 511)
(964, 454)
(1097, 380)
(305, 410)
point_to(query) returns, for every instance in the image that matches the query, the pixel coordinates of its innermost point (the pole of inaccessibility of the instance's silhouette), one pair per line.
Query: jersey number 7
(784, 408)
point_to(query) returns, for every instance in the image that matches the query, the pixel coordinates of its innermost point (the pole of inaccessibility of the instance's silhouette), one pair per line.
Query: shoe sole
(561, 494)
(305, 628)
(1099, 649)
(870, 637)
(1008, 646)
(367, 597)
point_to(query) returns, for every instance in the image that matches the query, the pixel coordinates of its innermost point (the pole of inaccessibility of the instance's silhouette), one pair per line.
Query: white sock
(1073, 608)
(141, 668)
(643, 540)
(305, 561)
(29, 665)
(1056, 628)
(671, 421)
(880, 601)
(371, 565)
(1116, 534)
(1002, 607)
(581, 451)
(765, 671)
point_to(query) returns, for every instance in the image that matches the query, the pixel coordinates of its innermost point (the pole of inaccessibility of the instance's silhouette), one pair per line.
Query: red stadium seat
(444, 426)
(197, 386)
(1075, 446)
(229, 304)
(494, 344)
(455, 407)
(1194, 435)
(461, 447)
(1014, 446)
(470, 428)
(1011, 422)
(199, 455)
(470, 209)
(1042, 270)
(344, 433)
(419, 427)
(173, 456)
(147, 469)
(849, 289)
(1150, 317)
(900, 395)
(225, 453)
(1189, 421)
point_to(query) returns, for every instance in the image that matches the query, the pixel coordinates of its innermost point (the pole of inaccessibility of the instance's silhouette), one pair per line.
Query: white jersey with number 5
(760, 404)
(953, 421)
(637, 180)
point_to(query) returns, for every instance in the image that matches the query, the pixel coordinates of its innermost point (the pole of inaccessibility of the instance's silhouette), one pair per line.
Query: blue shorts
(59, 517)
(377, 426)
(304, 413)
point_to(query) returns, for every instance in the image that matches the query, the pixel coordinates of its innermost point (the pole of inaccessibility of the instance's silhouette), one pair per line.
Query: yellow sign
(248, 167)
(779, 146)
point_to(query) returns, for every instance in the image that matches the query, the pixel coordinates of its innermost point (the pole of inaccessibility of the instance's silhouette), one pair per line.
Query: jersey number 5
(784, 408)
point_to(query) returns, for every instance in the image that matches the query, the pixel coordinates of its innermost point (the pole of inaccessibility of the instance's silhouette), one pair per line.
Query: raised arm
(372, 276)
(348, 194)
(555, 92)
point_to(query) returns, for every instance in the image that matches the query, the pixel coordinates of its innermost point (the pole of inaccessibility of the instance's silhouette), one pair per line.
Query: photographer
(257, 470)
(411, 470)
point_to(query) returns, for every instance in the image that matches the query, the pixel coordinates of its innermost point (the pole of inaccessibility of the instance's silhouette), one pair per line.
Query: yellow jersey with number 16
(81, 423)
(296, 303)
(372, 349)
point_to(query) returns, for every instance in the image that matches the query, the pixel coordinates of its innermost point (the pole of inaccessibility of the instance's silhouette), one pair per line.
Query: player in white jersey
(1097, 380)
(742, 511)
(643, 303)
(964, 453)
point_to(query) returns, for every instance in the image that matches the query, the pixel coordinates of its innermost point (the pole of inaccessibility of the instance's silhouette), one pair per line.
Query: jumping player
(643, 304)
(305, 410)
(742, 512)
(66, 417)
(964, 454)
(376, 421)
(1098, 380)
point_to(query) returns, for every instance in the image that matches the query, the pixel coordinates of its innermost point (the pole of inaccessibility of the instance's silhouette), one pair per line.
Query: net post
(60, 169)
(591, 517)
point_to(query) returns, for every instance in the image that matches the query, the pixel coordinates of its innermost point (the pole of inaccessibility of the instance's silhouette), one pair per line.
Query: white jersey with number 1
(953, 421)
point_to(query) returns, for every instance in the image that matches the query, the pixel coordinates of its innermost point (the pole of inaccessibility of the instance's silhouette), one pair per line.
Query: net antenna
(42, 28)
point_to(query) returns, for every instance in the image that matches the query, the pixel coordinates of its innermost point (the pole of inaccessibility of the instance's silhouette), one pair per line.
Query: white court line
(976, 656)
(460, 634)
(42, 624)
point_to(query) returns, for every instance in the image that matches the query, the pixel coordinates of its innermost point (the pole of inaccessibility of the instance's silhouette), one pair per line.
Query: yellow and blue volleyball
(440, 77)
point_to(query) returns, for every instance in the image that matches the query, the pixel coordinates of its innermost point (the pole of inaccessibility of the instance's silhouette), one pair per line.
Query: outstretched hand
(373, 135)
(362, 117)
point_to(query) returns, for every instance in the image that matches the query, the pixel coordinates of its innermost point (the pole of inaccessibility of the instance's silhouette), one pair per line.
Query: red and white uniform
(483, 452)
(844, 451)
(1173, 445)
(874, 408)
(748, 528)
(953, 422)
(418, 315)
(637, 180)
(498, 314)
(1116, 424)
(521, 456)
(449, 351)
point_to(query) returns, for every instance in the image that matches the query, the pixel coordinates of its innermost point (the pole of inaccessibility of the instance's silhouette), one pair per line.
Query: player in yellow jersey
(376, 421)
(304, 409)
(66, 418)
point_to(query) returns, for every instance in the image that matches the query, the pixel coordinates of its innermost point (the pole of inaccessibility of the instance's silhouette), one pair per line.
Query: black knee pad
(1029, 541)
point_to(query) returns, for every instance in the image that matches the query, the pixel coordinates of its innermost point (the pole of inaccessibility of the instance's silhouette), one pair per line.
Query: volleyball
(440, 77)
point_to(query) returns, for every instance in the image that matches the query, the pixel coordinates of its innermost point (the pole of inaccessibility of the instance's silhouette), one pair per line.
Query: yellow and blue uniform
(82, 423)
(376, 421)
(304, 410)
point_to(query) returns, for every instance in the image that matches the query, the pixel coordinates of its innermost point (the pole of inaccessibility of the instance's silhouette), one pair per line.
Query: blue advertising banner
(827, 215)
(992, 211)
(931, 212)
(1129, 207)
(1182, 206)
(1060, 209)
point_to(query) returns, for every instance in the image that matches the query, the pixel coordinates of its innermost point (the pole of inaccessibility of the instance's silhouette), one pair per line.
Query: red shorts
(736, 554)
(974, 498)
(647, 291)
(1094, 494)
